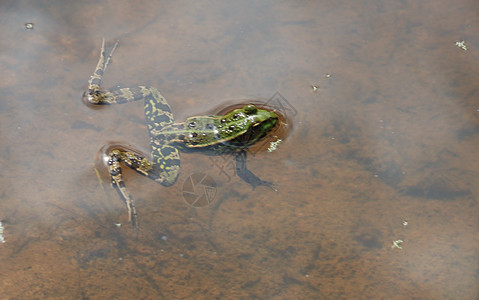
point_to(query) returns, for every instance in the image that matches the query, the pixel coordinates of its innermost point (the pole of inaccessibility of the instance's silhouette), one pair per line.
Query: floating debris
(328, 76)
(315, 88)
(29, 26)
(274, 145)
(2, 238)
(462, 45)
(397, 244)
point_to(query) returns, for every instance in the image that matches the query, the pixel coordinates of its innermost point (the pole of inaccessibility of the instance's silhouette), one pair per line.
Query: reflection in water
(388, 133)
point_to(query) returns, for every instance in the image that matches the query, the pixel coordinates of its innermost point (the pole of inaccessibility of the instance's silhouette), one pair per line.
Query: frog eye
(192, 124)
(250, 109)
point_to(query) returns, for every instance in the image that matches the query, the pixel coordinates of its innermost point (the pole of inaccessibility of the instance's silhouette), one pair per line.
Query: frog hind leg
(247, 175)
(164, 168)
(94, 94)
(161, 170)
(115, 156)
(157, 110)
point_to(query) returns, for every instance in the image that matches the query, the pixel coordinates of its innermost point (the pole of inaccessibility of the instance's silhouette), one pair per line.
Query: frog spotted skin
(232, 133)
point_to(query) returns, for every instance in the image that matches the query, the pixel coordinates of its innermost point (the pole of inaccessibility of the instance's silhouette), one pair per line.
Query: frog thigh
(166, 160)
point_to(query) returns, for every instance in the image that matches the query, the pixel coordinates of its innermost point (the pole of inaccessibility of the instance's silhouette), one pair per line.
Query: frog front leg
(247, 175)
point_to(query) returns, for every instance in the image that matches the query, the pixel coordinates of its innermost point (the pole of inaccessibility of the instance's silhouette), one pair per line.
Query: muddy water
(377, 179)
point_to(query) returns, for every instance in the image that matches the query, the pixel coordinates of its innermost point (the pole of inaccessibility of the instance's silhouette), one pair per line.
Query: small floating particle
(328, 76)
(462, 45)
(274, 145)
(405, 223)
(2, 238)
(29, 26)
(315, 88)
(397, 244)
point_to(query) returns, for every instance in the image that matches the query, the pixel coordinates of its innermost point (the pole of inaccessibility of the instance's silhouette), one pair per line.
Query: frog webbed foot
(248, 176)
(94, 93)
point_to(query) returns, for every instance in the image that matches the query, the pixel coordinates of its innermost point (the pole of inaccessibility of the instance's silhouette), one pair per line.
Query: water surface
(377, 179)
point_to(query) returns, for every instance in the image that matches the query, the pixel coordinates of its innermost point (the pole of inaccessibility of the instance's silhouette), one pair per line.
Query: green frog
(231, 133)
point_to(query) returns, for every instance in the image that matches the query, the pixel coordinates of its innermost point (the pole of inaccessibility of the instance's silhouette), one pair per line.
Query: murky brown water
(385, 150)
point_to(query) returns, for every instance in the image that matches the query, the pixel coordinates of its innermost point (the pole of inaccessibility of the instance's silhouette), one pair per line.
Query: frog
(231, 133)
